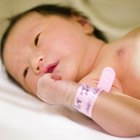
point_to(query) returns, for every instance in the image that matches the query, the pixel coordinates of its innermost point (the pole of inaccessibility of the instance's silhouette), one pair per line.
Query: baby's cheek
(31, 83)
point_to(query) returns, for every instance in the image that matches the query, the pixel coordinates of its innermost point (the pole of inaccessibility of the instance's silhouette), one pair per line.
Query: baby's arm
(118, 115)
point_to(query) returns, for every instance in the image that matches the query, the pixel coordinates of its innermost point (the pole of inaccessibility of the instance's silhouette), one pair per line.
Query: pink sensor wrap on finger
(86, 96)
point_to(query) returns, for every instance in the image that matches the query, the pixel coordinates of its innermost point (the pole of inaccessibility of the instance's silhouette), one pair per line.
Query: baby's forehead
(18, 34)
(29, 18)
(24, 24)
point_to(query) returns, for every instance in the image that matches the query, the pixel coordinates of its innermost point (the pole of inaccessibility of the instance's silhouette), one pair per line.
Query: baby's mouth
(50, 68)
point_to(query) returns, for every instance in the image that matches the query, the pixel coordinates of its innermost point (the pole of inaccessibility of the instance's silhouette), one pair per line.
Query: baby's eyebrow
(25, 72)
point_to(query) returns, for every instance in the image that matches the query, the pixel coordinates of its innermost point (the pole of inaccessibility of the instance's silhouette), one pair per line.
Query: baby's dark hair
(46, 9)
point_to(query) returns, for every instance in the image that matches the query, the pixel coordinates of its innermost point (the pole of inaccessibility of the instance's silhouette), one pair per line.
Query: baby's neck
(91, 54)
(100, 53)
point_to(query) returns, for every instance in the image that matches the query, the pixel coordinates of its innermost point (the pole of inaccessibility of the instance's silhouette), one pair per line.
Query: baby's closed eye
(36, 39)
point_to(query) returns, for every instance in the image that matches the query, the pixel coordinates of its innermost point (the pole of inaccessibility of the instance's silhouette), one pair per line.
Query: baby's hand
(53, 90)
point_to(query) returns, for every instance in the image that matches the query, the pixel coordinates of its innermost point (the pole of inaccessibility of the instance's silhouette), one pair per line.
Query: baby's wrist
(85, 99)
(86, 96)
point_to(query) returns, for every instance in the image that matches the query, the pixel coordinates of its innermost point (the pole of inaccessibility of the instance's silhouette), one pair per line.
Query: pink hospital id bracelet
(85, 99)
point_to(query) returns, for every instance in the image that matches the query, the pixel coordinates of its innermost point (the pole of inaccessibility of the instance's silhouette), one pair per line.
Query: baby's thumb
(56, 77)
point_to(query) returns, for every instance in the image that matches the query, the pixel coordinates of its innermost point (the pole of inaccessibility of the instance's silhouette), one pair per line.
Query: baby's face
(38, 45)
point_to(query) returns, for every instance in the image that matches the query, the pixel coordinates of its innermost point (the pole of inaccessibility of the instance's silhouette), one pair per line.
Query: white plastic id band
(85, 99)
(106, 79)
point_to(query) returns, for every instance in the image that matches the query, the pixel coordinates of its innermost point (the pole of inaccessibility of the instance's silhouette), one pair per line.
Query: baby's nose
(37, 64)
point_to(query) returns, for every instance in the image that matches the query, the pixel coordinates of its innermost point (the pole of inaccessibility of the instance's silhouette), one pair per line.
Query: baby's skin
(122, 55)
(117, 112)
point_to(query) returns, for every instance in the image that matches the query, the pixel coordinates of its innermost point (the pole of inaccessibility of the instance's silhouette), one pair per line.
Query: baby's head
(46, 39)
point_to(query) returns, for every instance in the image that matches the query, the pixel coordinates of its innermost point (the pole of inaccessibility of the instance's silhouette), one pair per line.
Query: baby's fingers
(44, 86)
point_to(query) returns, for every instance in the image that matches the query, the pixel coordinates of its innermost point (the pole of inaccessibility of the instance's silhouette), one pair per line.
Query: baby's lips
(49, 68)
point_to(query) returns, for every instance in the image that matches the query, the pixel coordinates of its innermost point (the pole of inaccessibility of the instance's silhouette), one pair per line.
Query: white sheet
(23, 117)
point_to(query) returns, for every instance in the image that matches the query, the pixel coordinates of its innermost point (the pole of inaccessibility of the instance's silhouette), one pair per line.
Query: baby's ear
(86, 24)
